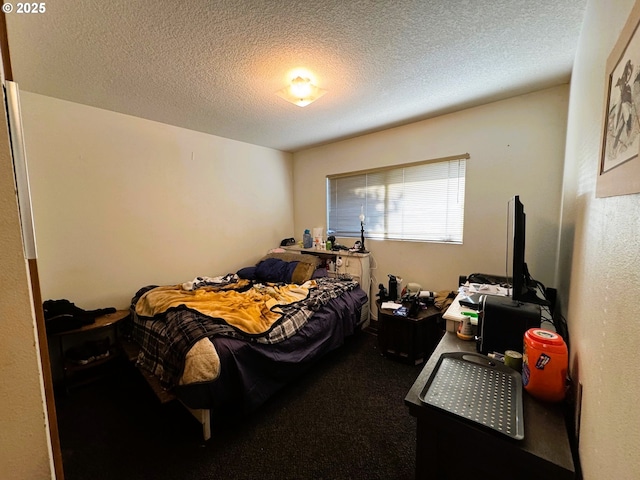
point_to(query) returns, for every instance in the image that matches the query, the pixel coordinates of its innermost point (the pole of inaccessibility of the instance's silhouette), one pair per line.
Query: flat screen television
(523, 287)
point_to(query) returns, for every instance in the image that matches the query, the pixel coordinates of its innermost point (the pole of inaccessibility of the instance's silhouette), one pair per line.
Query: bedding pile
(171, 320)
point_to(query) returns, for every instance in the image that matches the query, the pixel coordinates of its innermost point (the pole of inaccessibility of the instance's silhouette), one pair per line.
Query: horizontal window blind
(417, 202)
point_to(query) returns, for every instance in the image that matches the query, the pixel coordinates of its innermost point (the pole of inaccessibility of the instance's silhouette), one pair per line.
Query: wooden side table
(409, 339)
(106, 322)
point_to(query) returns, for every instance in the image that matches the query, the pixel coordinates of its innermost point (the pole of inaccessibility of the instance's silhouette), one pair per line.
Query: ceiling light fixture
(301, 92)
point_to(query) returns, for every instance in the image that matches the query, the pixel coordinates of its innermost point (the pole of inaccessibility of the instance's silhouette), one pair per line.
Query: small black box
(502, 323)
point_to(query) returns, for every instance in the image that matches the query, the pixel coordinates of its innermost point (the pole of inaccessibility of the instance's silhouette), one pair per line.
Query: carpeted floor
(345, 419)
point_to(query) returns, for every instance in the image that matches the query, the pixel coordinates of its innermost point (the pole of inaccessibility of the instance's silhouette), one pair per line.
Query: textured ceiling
(214, 66)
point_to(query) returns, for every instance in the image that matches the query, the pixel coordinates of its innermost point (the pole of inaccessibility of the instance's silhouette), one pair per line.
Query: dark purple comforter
(252, 372)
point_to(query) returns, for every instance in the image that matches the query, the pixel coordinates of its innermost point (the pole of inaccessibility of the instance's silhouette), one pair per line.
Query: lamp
(362, 249)
(301, 92)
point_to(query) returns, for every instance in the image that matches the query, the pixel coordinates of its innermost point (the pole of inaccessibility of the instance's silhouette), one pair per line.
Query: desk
(451, 448)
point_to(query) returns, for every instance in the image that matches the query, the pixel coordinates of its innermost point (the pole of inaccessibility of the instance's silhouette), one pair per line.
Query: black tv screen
(516, 225)
(523, 286)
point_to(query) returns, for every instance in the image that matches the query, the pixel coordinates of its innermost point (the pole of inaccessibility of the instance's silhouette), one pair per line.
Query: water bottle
(306, 239)
(393, 287)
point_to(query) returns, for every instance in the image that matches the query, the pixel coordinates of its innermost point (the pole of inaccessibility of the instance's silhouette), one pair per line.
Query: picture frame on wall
(619, 166)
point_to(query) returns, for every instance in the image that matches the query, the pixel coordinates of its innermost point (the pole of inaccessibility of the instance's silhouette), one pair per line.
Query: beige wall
(516, 147)
(25, 450)
(600, 268)
(120, 202)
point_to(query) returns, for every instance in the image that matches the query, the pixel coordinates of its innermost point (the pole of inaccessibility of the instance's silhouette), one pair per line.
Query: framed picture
(619, 167)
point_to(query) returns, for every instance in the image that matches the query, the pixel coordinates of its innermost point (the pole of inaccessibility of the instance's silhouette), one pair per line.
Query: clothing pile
(62, 315)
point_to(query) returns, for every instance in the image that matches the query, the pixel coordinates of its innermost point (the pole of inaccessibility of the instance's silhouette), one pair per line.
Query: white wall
(600, 267)
(121, 202)
(516, 147)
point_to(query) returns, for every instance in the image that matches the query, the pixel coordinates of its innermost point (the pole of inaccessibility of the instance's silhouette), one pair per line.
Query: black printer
(502, 323)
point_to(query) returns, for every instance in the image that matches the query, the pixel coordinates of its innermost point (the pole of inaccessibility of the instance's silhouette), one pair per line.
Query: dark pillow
(319, 273)
(294, 257)
(275, 270)
(248, 273)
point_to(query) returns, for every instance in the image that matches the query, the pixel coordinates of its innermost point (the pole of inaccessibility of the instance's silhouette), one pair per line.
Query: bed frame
(203, 416)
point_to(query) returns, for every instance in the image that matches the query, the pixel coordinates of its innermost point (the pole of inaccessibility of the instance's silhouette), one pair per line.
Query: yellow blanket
(253, 311)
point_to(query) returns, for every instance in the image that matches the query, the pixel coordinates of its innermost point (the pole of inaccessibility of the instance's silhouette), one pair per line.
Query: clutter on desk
(485, 289)
(496, 356)
(307, 240)
(484, 279)
(401, 312)
(411, 290)
(387, 305)
(317, 237)
(383, 293)
(466, 328)
(443, 299)
(287, 242)
(470, 296)
(395, 287)
(513, 359)
(471, 301)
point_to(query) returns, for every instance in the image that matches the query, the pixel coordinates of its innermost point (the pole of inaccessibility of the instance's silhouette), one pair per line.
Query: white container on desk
(453, 315)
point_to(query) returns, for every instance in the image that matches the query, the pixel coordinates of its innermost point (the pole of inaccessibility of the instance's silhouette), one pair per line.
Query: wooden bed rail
(203, 416)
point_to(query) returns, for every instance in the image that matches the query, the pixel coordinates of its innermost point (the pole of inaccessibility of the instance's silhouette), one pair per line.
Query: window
(417, 202)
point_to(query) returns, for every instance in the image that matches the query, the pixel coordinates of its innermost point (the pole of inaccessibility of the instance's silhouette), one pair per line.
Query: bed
(224, 345)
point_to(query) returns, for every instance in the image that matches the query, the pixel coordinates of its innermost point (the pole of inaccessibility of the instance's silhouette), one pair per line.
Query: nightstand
(409, 339)
(104, 324)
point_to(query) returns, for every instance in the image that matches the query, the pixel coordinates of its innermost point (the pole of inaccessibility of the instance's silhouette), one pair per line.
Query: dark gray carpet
(345, 419)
